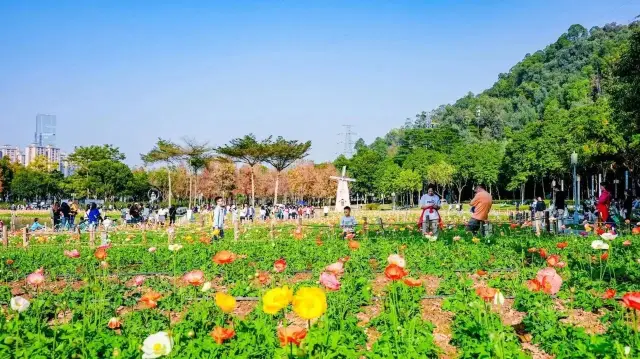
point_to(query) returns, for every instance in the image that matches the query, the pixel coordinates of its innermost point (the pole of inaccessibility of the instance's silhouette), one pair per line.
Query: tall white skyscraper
(45, 130)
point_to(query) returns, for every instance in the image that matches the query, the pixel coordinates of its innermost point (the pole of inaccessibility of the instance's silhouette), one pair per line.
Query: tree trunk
(169, 176)
(275, 195)
(190, 190)
(544, 195)
(253, 190)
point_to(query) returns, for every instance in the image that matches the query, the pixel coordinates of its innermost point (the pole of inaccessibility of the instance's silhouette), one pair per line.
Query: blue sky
(128, 72)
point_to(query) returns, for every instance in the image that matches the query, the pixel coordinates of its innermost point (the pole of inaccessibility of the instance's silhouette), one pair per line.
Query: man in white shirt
(430, 218)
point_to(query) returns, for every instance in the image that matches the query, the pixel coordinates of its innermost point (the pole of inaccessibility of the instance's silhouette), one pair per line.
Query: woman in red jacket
(604, 201)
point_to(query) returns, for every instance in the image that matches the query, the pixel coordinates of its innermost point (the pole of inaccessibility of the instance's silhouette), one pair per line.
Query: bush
(372, 206)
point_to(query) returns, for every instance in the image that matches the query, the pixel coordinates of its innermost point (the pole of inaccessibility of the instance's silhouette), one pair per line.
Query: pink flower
(105, 246)
(36, 278)
(329, 281)
(195, 278)
(72, 253)
(626, 243)
(561, 265)
(138, 280)
(152, 249)
(550, 279)
(336, 268)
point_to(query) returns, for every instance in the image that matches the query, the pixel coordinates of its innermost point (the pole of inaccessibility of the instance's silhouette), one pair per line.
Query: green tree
(283, 153)
(165, 152)
(409, 181)
(247, 150)
(81, 158)
(7, 170)
(198, 156)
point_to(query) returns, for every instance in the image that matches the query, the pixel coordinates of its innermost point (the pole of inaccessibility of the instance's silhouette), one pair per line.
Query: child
(36, 226)
(347, 223)
(218, 219)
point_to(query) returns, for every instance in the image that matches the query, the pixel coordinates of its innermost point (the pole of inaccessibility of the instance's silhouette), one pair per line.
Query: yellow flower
(226, 302)
(310, 303)
(276, 299)
(216, 232)
(475, 240)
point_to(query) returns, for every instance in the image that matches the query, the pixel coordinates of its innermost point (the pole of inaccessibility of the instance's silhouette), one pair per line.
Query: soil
(509, 315)
(379, 284)
(431, 284)
(300, 277)
(432, 312)
(244, 308)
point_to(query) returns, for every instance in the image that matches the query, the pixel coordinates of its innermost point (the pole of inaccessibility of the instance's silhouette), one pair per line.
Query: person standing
(55, 215)
(480, 205)
(94, 215)
(218, 219)
(65, 213)
(73, 213)
(560, 206)
(541, 207)
(172, 215)
(627, 205)
(603, 204)
(429, 221)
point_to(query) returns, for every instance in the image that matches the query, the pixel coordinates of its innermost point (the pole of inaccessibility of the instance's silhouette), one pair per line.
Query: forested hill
(520, 132)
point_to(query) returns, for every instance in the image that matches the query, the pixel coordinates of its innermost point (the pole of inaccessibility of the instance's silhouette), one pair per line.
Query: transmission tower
(348, 141)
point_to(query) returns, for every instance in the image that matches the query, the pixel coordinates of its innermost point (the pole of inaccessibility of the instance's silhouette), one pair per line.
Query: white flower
(175, 247)
(498, 298)
(19, 304)
(627, 351)
(157, 345)
(397, 260)
(431, 238)
(608, 236)
(456, 238)
(206, 287)
(598, 244)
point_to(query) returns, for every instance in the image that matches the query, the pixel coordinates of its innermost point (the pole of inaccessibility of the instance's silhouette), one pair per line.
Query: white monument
(342, 194)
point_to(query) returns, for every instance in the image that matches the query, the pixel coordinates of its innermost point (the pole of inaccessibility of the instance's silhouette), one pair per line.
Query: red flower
(632, 300)
(486, 293)
(394, 272)
(543, 253)
(413, 282)
(280, 265)
(604, 256)
(609, 293)
(562, 245)
(626, 243)
(514, 225)
(353, 245)
(599, 231)
(220, 334)
(481, 272)
(9, 261)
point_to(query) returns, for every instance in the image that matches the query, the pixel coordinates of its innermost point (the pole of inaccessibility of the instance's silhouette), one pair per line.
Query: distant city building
(45, 130)
(13, 152)
(66, 168)
(51, 153)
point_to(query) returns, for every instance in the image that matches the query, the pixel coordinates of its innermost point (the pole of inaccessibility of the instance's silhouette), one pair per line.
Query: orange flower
(280, 265)
(291, 335)
(220, 334)
(635, 230)
(350, 235)
(599, 231)
(543, 253)
(486, 293)
(562, 245)
(609, 293)
(626, 243)
(394, 272)
(319, 242)
(297, 234)
(532, 250)
(100, 253)
(9, 261)
(514, 225)
(631, 300)
(150, 299)
(224, 257)
(263, 278)
(413, 282)
(481, 272)
(353, 245)
(605, 256)
(114, 323)
(553, 260)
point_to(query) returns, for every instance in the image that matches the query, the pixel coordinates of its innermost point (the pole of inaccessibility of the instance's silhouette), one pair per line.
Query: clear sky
(128, 72)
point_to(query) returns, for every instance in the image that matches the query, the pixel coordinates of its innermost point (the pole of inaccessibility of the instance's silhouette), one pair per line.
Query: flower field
(308, 293)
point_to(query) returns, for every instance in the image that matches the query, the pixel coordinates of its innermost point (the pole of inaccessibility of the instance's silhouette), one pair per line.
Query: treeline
(580, 94)
(188, 173)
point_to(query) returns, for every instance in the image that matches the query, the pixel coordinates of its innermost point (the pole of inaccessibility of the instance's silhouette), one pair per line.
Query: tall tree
(197, 155)
(82, 157)
(166, 152)
(281, 154)
(247, 150)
